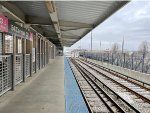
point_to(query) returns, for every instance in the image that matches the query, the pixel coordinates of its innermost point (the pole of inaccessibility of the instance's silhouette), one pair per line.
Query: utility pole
(123, 45)
(100, 49)
(91, 40)
(80, 44)
(100, 45)
(123, 52)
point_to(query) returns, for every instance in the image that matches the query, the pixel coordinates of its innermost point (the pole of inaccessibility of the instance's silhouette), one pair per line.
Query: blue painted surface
(74, 100)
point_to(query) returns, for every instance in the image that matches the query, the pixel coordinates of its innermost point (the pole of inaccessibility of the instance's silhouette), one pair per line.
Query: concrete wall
(131, 73)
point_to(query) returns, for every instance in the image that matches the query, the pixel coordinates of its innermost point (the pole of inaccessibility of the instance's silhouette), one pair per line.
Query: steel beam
(65, 39)
(70, 37)
(74, 24)
(34, 20)
(13, 10)
(53, 15)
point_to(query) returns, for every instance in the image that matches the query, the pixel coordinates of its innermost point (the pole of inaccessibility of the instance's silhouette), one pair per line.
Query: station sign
(3, 23)
(17, 30)
(31, 36)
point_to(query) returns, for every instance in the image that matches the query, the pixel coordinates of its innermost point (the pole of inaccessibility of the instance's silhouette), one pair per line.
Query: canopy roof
(62, 22)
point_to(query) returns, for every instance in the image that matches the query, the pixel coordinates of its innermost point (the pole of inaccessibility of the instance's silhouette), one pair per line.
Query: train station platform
(41, 93)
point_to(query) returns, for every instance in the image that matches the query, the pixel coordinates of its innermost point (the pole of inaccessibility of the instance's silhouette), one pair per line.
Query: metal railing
(41, 64)
(33, 67)
(1, 43)
(19, 69)
(38, 61)
(5, 73)
(137, 61)
(27, 60)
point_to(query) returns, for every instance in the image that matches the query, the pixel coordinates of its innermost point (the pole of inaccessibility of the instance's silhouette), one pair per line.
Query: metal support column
(3, 44)
(54, 51)
(24, 59)
(40, 54)
(31, 64)
(46, 52)
(43, 52)
(49, 52)
(14, 63)
(91, 41)
(36, 46)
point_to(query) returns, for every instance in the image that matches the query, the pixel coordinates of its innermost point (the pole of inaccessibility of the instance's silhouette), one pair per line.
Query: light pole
(99, 45)
(91, 40)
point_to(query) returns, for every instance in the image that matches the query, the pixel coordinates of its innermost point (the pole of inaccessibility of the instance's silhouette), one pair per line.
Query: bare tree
(115, 48)
(144, 47)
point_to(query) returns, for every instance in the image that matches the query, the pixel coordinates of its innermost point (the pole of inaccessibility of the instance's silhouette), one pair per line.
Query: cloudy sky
(131, 22)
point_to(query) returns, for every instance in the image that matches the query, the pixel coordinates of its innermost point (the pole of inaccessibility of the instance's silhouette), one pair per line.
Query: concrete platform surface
(42, 93)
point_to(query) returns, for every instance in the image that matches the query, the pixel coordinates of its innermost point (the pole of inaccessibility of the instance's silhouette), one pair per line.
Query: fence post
(132, 61)
(124, 56)
(143, 62)
(112, 59)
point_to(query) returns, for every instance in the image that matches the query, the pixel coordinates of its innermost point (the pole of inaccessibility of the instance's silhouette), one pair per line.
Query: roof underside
(62, 22)
(77, 18)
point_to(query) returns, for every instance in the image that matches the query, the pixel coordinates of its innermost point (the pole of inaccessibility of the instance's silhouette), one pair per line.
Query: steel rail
(111, 90)
(130, 90)
(83, 74)
(85, 100)
(118, 74)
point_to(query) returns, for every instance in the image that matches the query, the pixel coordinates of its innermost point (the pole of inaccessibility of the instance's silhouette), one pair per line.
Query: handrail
(27, 54)
(5, 55)
(19, 55)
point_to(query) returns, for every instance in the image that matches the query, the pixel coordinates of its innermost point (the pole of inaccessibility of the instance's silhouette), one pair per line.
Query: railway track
(98, 96)
(125, 77)
(136, 94)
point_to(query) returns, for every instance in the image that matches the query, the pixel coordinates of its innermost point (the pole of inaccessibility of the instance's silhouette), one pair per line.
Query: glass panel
(19, 45)
(8, 44)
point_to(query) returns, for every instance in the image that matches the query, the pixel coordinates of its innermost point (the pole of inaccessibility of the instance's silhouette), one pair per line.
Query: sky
(131, 22)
